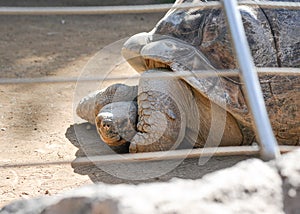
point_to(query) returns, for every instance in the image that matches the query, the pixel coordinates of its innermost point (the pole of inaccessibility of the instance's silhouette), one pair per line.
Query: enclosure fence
(196, 73)
(269, 148)
(88, 10)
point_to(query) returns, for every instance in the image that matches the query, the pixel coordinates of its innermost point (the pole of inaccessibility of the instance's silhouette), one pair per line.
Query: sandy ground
(34, 117)
(36, 120)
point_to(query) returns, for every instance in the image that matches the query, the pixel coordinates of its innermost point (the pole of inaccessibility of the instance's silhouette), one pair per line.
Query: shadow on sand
(86, 139)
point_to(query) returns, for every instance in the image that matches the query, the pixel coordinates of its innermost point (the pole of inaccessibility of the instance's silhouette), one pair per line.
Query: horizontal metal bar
(91, 10)
(206, 73)
(155, 156)
(85, 10)
(272, 4)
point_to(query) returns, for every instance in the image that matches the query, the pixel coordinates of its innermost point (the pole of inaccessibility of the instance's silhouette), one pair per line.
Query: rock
(289, 170)
(251, 186)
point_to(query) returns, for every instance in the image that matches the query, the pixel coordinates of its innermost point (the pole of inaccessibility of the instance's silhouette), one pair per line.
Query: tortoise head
(116, 123)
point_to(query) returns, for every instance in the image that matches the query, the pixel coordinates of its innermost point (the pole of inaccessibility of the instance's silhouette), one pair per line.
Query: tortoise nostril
(104, 120)
(106, 124)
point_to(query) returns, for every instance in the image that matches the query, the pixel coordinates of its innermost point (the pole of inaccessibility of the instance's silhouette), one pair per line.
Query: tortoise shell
(198, 39)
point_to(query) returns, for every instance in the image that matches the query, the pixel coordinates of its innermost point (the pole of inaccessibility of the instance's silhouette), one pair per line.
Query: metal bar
(222, 73)
(91, 10)
(269, 147)
(272, 5)
(154, 156)
(85, 10)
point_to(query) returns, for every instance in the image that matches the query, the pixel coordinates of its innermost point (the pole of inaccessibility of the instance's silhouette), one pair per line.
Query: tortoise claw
(133, 148)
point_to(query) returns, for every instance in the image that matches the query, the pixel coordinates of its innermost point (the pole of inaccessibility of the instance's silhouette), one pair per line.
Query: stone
(289, 170)
(251, 186)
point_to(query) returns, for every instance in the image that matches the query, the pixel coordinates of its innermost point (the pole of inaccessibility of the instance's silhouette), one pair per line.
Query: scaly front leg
(163, 105)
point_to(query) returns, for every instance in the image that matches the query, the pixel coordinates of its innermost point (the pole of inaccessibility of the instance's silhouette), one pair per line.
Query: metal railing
(153, 156)
(196, 73)
(90, 10)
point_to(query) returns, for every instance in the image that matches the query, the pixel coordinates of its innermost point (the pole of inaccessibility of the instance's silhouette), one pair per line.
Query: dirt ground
(36, 120)
(34, 117)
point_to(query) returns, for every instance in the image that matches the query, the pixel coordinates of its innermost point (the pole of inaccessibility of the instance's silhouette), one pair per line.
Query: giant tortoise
(174, 106)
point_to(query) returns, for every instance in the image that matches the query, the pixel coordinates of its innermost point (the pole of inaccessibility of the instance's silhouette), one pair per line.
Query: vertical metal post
(269, 147)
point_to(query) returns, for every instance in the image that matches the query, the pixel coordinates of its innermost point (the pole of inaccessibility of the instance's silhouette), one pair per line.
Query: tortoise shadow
(84, 136)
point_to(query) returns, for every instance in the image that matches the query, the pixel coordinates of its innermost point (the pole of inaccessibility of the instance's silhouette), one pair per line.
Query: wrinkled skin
(116, 122)
(186, 110)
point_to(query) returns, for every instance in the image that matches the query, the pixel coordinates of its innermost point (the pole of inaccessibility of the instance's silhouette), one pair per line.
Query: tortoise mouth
(113, 141)
(111, 138)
